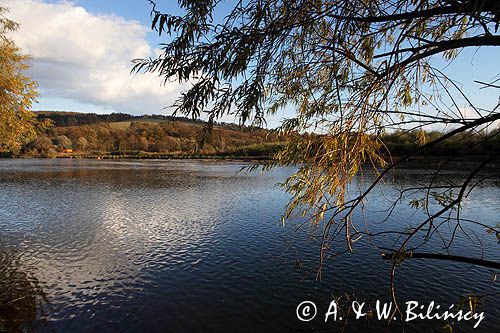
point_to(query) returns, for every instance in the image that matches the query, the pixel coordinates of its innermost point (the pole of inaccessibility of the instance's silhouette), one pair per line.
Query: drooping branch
(320, 59)
(491, 6)
(394, 255)
(443, 46)
(487, 85)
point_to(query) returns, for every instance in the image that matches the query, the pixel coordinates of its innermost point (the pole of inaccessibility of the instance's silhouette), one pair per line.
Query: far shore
(149, 156)
(465, 162)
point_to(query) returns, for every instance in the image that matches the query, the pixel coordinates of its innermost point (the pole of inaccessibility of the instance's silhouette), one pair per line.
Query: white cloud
(86, 57)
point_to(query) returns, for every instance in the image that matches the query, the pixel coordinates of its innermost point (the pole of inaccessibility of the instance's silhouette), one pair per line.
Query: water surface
(131, 246)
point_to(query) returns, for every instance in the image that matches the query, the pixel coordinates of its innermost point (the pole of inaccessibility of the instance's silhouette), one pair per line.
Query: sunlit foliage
(17, 92)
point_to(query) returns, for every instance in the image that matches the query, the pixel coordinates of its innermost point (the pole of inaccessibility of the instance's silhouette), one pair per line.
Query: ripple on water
(132, 246)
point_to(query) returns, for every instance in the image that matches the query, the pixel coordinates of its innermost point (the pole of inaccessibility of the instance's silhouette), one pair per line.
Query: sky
(81, 55)
(82, 50)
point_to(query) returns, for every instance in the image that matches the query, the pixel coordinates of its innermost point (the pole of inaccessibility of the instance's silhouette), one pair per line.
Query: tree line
(121, 134)
(64, 118)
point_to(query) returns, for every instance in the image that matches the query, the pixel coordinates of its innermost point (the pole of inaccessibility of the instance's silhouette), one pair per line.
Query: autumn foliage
(17, 92)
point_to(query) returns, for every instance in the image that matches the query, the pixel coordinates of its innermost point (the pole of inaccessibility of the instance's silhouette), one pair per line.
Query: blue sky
(129, 9)
(82, 51)
(138, 10)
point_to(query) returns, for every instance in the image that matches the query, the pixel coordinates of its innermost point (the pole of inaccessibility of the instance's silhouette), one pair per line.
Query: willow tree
(17, 92)
(350, 70)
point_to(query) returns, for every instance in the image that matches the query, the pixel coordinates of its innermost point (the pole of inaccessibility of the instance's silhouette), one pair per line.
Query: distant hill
(69, 118)
(119, 134)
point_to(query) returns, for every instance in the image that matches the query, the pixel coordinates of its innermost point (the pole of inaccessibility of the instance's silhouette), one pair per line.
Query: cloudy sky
(82, 52)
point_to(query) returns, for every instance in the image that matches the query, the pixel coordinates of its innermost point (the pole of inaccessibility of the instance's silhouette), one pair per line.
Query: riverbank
(420, 162)
(152, 156)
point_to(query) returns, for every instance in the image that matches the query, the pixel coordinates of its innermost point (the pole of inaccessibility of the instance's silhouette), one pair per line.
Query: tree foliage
(352, 70)
(17, 92)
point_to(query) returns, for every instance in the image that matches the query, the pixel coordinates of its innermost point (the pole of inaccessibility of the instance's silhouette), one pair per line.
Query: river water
(187, 246)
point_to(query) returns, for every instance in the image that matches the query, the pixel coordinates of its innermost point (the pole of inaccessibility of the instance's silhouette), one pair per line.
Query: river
(171, 246)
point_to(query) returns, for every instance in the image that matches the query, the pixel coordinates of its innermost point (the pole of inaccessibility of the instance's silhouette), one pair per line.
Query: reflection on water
(20, 295)
(196, 246)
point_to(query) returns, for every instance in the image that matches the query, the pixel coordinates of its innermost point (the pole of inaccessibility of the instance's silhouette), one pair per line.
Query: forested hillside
(124, 135)
(157, 136)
